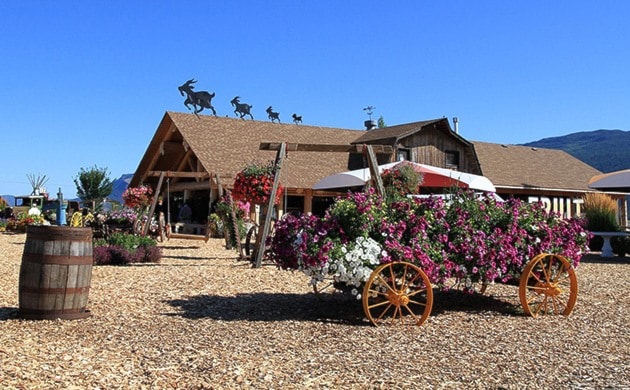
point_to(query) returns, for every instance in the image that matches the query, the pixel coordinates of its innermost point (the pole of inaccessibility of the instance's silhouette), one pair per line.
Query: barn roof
(392, 134)
(186, 142)
(512, 166)
(226, 145)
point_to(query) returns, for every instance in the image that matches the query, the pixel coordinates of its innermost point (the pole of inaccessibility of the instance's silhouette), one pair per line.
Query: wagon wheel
(397, 293)
(77, 219)
(88, 219)
(548, 285)
(255, 244)
(138, 227)
(250, 240)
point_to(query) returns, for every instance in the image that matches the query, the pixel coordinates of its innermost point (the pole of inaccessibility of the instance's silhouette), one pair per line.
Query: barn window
(404, 154)
(452, 159)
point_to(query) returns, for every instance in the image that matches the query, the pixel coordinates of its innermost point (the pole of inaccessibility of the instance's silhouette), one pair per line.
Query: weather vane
(370, 110)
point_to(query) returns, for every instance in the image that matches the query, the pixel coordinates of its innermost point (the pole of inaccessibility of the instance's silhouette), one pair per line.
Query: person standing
(159, 216)
(185, 213)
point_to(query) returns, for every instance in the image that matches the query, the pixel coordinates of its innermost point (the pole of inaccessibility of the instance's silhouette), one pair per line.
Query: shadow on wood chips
(332, 308)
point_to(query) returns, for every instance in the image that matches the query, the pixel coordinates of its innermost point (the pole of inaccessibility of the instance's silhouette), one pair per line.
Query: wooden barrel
(56, 272)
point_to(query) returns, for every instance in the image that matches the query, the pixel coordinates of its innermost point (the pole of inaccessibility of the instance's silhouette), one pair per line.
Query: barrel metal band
(50, 291)
(57, 259)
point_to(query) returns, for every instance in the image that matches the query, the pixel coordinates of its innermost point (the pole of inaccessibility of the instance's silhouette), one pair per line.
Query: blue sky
(86, 83)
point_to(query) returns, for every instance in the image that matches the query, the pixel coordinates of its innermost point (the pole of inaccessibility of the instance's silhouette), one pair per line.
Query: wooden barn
(195, 154)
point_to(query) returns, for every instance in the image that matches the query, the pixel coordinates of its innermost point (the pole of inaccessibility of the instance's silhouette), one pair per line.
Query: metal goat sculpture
(273, 115)
(241, 109)
(297, 119)
(199, 100)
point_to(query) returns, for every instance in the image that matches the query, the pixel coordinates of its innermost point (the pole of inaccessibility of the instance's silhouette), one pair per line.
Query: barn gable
(194, 148)
(430, 142)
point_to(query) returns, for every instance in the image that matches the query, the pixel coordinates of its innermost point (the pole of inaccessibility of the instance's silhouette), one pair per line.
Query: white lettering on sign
(567, 207)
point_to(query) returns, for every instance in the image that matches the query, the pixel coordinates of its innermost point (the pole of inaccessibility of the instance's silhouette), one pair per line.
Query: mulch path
(202, 319)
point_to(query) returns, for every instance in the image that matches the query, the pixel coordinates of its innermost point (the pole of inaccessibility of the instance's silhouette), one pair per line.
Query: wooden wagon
(401, 293)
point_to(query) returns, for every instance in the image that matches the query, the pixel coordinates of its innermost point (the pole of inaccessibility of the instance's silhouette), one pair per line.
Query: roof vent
(456, 124)
(369, 125)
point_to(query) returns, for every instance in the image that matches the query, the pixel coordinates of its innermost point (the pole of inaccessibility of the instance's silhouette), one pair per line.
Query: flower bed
(22, 220)
(477, 239)
(123, 249)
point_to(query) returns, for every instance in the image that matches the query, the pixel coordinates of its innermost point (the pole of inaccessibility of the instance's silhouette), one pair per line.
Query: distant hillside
(10, 199)
(120, 185)
(606, 150)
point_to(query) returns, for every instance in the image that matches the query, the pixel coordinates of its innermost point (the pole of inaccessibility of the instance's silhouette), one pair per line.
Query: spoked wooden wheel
(548, 285)
(138, 227)
(397, 293)
(76, 220)
(250, 240)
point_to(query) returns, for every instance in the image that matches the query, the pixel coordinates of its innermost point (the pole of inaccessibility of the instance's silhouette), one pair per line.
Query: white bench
(607, 248)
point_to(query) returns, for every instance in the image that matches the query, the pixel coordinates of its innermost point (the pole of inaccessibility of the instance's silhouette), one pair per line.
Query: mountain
(10, 199)
(606, 150)
(120, 185)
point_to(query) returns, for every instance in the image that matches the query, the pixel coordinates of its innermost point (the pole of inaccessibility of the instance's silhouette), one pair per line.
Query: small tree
(381, 122)
(93, 184)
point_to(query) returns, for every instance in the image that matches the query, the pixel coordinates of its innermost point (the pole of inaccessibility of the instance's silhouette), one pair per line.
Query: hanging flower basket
(254, 184)
(138, 197)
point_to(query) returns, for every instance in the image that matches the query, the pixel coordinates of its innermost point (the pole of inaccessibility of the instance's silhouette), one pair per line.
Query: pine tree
(381, 122)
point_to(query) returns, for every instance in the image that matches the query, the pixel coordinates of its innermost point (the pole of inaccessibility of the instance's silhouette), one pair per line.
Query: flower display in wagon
(255, 182)
(477, 240)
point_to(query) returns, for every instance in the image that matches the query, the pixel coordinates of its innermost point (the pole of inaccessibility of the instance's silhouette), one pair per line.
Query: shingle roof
(227, 145)
(392, 134)
(527, 167)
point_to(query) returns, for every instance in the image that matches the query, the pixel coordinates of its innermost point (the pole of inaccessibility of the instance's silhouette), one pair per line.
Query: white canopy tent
(433, 177)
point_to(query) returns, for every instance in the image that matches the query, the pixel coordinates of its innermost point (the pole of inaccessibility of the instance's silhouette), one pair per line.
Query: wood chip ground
(202, 319)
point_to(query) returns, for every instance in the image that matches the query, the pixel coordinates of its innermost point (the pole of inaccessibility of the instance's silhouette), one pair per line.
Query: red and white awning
(432, 177)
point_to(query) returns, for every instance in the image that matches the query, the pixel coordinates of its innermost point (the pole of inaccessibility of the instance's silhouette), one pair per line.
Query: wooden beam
(168, 147)
(194, 175)
(262, 236)
(158, 189)
(191, 186)
(376, 175)
(294, 147)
